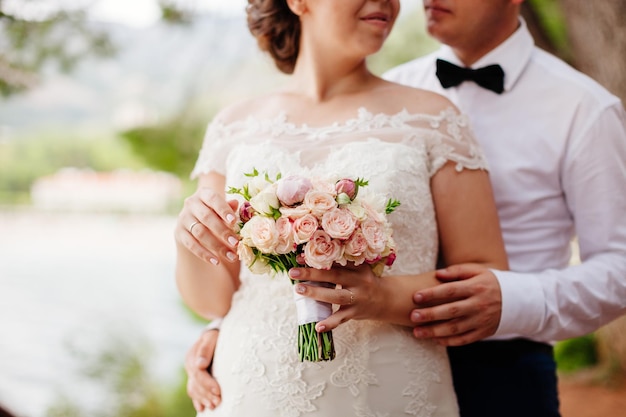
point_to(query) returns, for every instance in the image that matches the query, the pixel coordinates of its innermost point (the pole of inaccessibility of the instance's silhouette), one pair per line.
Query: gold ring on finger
(351, 297)
(191, 227)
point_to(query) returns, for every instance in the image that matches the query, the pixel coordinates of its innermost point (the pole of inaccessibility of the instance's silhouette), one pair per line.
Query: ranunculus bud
(246, 211)
(291, 190)
(348, 187)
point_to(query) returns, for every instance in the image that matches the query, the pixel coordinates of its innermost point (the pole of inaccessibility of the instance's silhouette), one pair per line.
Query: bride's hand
(206, 226)
(202, 388)
(359, 293)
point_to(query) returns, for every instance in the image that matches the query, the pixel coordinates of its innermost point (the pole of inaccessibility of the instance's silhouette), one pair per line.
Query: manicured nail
(232, 240)
(294, 273)
(230, 218)
(231, 256)
(418, 298)
(320, 328)
(214, 261)
(415, 316)
(300, 289)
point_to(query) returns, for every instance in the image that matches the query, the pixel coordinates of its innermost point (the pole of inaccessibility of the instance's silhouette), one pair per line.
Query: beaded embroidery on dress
(380, 370)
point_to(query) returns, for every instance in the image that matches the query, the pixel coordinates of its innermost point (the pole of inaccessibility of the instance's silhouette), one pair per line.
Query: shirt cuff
(215, 324)
(523, 304)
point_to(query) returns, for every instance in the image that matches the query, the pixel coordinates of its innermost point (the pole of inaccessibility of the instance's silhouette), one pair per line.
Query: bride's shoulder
(421, 101)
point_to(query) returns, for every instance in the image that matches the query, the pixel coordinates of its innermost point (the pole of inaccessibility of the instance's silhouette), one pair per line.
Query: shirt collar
(512, 55)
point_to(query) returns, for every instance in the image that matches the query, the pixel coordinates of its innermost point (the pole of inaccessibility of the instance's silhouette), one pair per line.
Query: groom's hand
(475, 313)
(202, 388)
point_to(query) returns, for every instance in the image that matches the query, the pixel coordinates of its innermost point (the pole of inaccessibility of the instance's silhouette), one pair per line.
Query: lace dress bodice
(380, 369)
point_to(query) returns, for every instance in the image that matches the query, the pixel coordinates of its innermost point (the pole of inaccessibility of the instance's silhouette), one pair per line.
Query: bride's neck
(323, 79)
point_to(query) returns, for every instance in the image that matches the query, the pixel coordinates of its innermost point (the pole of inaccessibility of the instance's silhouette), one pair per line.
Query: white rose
(266, 201)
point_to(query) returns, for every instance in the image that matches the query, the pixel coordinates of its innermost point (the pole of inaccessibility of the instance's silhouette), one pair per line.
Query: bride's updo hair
(277, 31)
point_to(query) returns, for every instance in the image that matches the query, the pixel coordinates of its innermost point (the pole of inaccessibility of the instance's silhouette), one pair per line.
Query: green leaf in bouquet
(392, 204)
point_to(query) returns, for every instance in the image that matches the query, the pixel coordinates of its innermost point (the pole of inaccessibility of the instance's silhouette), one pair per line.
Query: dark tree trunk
(597, 34)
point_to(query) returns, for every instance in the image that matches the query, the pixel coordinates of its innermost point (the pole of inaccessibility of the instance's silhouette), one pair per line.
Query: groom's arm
(558, 304)
(202, 388)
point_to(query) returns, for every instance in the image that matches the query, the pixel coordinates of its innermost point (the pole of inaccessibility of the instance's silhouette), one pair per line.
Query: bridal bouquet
(311, 222)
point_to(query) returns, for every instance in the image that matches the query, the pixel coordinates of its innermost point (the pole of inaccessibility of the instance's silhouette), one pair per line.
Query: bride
(333, 118)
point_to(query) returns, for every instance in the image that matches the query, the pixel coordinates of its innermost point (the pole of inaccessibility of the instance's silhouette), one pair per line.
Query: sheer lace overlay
(380, 370)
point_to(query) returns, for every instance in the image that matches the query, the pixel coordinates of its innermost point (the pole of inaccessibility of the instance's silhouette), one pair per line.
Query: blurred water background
(74, 284)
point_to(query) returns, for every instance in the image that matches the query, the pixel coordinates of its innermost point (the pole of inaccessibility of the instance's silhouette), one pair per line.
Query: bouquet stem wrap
(313, 346)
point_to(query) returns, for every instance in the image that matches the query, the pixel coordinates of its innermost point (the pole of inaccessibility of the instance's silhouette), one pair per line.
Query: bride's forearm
(205, 288)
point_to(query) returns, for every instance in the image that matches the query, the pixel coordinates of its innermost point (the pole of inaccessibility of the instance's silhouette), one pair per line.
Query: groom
(556, 144)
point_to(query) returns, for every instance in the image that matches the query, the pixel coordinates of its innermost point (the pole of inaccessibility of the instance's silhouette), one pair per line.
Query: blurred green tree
(35, 34)
(170, 146)
(126, 385)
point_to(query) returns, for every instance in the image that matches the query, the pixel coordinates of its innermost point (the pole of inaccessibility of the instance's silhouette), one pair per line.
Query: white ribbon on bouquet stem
(310, 310)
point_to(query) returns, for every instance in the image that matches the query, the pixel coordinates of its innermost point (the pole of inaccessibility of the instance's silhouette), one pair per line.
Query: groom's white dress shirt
(555, 141)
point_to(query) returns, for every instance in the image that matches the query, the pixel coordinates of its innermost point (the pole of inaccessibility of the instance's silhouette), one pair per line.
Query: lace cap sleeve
(454, 141)
(214, 151)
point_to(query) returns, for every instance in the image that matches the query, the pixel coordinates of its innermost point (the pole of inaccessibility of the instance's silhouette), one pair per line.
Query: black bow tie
(490, 77)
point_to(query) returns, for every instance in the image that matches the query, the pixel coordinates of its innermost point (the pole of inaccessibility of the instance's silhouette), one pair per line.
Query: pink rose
(348, 187)
(304, 227)
(375, 236)
(322, 250)
(294, 212)
(324, 186)
(286, 241)
(291, 190)
(339, 223)
(261, 232)
(355, 248)
(319, 202)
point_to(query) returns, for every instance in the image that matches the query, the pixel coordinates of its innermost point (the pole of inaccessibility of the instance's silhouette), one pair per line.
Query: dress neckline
(364, 119)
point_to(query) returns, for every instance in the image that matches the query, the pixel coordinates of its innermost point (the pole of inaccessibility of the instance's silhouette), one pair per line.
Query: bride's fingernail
(320, 328)
(230, 218)
(232, 240)
(231, 256)
(214, 261)
(294, 273)
(300, 289)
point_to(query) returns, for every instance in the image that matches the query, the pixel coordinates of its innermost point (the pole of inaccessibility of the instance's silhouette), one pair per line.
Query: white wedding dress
(380, 370)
